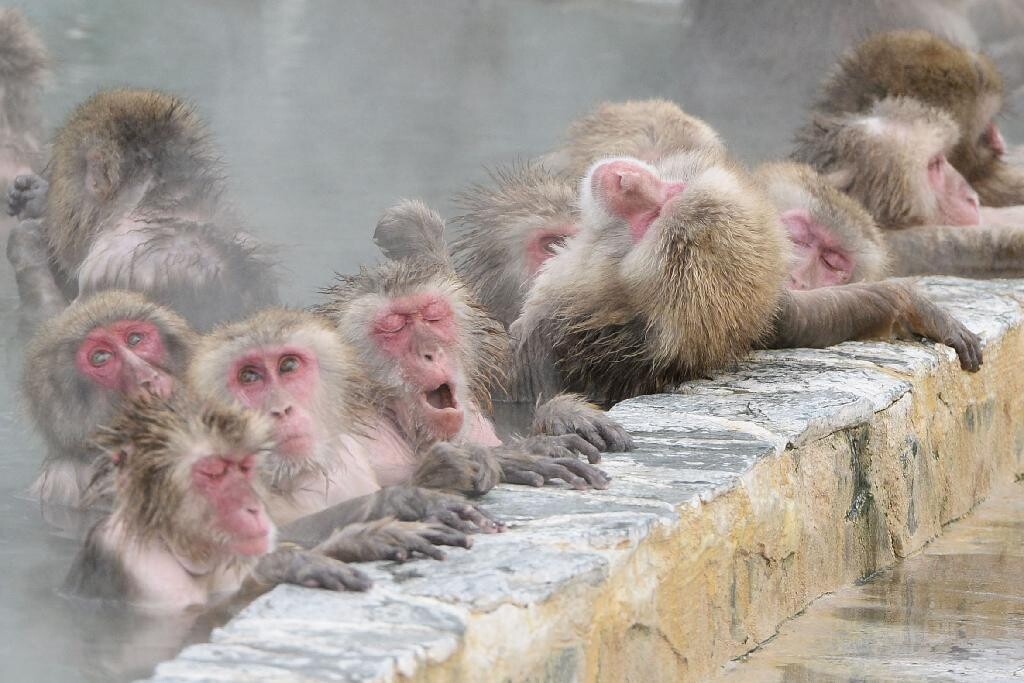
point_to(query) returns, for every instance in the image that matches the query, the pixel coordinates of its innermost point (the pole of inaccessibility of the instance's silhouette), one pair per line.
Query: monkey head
(894, 160)
(509, 228)
(685, 259)
(643, 129)
(291, 366)
(81, 364)
(835, 241)
(429, 350)
(923, 66)
(185, 474)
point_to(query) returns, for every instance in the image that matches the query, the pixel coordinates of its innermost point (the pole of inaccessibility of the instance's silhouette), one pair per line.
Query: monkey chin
(441, 411)
(252, 546)
(296, 446)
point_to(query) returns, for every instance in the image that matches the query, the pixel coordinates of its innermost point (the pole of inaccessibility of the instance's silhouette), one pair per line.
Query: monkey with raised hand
(432, 356)
(964, 84)
(189, 523)
(293, 367)
(893, 160)
(681, 268)
(80, 367)
(133, 198)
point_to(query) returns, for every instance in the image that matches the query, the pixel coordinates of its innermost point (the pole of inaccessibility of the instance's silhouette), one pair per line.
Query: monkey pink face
(281, 382)
(126, 357)
(542, 243)
(419, 332)
(820, 260)
(226, 483)
(957, 202)
(631, 192)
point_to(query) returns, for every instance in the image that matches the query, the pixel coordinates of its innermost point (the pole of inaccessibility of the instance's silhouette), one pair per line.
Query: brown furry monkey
(133, 198)
(679, 269)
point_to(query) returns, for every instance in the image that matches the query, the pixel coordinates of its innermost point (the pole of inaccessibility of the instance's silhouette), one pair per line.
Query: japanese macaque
(964, 84)
(508, 229)
(680, 268)
(189, 522)
(78, 370)
(293, 367)
(24, 65)
(432, 356)
(644, 129)
(893, 160)
(133, 198)
(835, 241)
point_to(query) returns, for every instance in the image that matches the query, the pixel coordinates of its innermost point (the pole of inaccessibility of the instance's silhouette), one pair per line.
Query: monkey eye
(550, 244)
(289, 364)
(391, 323)
(212, 467)
(834, 261)
(134, 338)
(99, 357)
(434, 311)
(249, 375)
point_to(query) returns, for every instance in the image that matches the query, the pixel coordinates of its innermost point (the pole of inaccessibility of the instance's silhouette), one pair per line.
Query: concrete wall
(750, 495)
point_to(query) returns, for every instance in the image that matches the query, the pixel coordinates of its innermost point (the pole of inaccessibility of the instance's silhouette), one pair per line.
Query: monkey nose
(281, 412)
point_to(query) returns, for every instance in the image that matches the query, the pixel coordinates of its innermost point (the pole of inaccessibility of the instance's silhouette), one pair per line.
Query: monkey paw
(467, 469)
(564, 446)
(389, 539)
(415, 504)
(26, 197)
(537, 470)
(571, 414)
(311, 569)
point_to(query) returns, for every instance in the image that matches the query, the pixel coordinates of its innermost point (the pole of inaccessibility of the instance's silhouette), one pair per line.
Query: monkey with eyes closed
(134, 198)
(680, 268)
(432, 356)
(893, 160)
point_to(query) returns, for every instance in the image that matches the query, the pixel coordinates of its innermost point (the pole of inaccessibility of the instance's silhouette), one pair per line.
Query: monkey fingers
(928, 320)
(310, 569)
(389, 539)
(534, 470)
(572, 414)
(414, 504)
(26, 197)
(563, 446)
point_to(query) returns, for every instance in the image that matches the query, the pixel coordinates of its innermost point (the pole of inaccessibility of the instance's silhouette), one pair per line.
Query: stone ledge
(750, 494)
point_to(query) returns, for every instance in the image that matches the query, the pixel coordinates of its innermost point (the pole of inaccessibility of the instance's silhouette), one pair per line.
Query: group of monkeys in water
(233, 444)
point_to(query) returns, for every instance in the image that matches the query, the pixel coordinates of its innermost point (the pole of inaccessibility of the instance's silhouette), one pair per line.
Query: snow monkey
(189, 521)
(643, 129)
(964, 84)
(78, 370)
(432, 356)
(133, 198)
(893, 160)
(293, 367)
(835, 241)
(680, 268)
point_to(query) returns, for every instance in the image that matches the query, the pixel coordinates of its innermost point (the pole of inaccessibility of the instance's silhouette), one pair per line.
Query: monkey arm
(572, 414)
(38, 292)
(830, 315)
(406, 503)
(977, 252)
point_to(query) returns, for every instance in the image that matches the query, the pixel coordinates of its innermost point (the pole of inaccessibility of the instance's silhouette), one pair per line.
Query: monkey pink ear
(798, 224)
(841, 179)
(119, 456)
(98, 181)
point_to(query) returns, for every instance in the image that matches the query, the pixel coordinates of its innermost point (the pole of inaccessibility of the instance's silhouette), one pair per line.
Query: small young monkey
(189, 523)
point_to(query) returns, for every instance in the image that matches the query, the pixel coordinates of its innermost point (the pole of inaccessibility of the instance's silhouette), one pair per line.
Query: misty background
(328, 112)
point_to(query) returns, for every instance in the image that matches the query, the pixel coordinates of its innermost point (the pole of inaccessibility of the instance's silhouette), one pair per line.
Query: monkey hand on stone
(519, 466)
(405, 503)
(468, 469)
(26, 197)
(295, 565)
(390, 539)
(572, 414)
